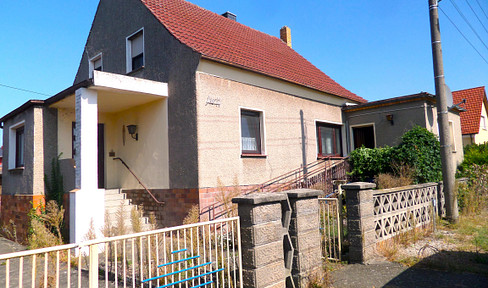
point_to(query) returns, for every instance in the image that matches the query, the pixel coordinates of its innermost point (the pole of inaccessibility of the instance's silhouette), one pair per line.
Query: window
(19, 147)
(251, 132)
(453, 139)
(483, 122)
(96, 64)
(135, 51)
(329, 140)
(363, 136)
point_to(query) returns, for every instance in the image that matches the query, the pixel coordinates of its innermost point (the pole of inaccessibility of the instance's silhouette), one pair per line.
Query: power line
(476, 16)
(465, 38)
(482, 9)
(24, 90)
(467, 22)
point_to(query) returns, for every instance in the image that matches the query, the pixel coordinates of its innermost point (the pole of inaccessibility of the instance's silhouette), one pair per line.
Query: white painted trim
(127, 83)
(262, 130)
(359, 126)
(128, 50)
(328, 122)
(91, 64)
(12, 147)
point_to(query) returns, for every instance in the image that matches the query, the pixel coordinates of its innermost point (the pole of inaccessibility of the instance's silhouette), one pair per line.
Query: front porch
(93, 130)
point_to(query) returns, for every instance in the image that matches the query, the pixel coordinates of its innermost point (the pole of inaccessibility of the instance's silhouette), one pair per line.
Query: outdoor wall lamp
(133, 131)
(389, 117)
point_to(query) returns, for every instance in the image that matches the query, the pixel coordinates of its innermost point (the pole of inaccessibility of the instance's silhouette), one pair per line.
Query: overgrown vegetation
(474, 154)
(403, 175)
(54, 183)
(225, 196)
(419, 149)
(46, 226)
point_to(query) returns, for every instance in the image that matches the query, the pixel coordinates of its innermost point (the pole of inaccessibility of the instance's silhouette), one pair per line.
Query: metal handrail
(139, 180)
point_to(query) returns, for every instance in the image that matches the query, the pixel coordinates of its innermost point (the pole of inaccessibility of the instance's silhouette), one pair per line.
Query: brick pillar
(360, 222)
(305, 235)
(262, 239)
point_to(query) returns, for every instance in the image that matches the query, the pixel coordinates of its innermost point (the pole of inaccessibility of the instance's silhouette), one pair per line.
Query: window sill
(247, 155)
(135, 71)
(17, 169)
(331, 157)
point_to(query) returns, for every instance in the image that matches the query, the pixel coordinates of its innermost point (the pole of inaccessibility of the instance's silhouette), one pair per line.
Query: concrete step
(114, 196)
(117, 203)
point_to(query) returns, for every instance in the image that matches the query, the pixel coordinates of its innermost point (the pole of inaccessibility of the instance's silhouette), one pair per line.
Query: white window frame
(129, 50)
(12, 144)
(91, 64)
(351, 132)
(262, 131)
(483, 122)
(453, 138)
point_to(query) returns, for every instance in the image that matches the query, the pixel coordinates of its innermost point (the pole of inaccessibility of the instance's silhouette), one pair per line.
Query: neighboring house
(383, 122)
(186, 98)
(1, 159)
(475, 120)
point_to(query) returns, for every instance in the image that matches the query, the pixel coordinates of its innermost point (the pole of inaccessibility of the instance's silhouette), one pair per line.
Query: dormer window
(135, 51)
(95, 64)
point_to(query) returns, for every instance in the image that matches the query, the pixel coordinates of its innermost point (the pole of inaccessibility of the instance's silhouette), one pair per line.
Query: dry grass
(46, 227)
(225, 196)
(403, 175)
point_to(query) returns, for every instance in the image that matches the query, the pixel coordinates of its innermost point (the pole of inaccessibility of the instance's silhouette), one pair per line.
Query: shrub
(474, 154)
(420, 149)
(366, 163)
(472, 197)
(45, 230)
(54, 184)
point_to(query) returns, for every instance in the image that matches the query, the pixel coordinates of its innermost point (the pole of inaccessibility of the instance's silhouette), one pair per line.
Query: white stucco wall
(482, 136)
(219, 152)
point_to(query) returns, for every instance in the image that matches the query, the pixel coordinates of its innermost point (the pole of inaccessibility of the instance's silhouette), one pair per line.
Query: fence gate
(330, 221)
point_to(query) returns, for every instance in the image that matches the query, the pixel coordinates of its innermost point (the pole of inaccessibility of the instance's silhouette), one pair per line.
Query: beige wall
(148, 157)
(38, 159)
(219, 137)
(482, 136)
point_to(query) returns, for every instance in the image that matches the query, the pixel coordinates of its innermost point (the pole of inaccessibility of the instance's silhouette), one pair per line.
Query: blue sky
(376, 49)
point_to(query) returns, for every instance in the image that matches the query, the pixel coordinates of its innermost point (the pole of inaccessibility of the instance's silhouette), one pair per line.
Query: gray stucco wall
(19, 181)
(165, 60)
(405, 116)
(50, 137)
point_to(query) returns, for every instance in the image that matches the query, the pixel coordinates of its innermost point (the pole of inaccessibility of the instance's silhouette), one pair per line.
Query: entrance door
(363, 136)
(101, 155)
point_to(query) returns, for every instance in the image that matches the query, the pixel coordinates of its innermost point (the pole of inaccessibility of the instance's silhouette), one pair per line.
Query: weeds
(225, 196)
(45, 228)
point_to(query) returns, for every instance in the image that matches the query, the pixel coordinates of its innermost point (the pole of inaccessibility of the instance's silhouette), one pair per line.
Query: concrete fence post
(305, 235)
(262, 239)
(360, 222)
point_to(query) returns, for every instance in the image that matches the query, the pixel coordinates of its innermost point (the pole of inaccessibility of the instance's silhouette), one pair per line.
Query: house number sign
(215, 101)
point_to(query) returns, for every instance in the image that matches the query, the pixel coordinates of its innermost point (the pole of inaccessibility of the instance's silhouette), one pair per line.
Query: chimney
(230, 16)
(285, 35)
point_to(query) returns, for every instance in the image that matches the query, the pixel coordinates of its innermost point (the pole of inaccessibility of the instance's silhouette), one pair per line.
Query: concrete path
(387, 274)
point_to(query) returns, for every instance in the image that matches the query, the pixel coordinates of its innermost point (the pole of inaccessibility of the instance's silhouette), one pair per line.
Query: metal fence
(196, 255)
(330, 222)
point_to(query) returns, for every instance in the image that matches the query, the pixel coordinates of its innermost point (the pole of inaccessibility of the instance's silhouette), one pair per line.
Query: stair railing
(139, 180)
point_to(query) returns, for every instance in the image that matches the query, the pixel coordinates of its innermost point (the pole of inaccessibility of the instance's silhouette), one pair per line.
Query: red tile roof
(470, 120)
(220, 39)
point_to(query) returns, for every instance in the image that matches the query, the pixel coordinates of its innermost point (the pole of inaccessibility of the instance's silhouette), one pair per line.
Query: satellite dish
(448, 96)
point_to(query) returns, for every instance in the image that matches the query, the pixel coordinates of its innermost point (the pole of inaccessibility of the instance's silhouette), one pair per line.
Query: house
(474, 120)
(382, 123)
(177, 98)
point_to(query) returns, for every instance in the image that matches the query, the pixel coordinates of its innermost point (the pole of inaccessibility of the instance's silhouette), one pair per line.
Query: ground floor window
(329, 141)
(363, 136)
(251, 132)
(19, 147)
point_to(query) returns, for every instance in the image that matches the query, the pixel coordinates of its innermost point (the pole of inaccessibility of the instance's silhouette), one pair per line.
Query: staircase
(118, 207)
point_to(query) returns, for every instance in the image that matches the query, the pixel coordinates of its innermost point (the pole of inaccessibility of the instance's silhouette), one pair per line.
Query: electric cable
(471, 7)
(467, 22)
(24, 90)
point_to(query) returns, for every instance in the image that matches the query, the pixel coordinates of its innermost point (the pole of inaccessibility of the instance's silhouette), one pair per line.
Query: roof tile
(224, 40)
(470, 120)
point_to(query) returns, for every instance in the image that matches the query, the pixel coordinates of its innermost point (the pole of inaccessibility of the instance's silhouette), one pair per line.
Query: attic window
(96, 64)
(135, 51)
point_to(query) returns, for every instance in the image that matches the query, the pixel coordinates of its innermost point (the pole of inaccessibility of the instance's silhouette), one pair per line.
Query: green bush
(472, 196)
(366, 163)
(474, 154)
(420, 149)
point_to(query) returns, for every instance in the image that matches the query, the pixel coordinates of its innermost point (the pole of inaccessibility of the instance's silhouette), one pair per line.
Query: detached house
(184, 97)
(474, 120)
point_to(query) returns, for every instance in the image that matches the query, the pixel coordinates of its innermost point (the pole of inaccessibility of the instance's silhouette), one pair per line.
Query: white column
(86, 201)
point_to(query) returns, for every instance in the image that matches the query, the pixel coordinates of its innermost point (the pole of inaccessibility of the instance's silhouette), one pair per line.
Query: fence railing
(194, 255)
(330, 228)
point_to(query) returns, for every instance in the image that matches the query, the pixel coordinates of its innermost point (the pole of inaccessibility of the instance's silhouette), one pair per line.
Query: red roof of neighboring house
(470, 120)
(224, 40)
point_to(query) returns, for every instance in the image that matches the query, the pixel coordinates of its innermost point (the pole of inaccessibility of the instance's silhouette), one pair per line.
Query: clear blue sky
(376, 49)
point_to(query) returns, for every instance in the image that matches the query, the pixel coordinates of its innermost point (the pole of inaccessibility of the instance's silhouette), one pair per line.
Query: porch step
(116, 203)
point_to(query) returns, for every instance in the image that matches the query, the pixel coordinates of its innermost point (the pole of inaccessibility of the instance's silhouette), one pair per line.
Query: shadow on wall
(445, 269)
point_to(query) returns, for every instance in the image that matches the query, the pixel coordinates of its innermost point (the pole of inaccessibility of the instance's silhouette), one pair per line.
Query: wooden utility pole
(448, 169)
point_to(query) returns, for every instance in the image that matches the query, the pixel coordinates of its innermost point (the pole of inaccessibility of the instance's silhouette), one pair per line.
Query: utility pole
(448, 169)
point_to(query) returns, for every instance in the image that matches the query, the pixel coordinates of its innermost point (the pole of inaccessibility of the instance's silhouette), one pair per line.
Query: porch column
(86, 201)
